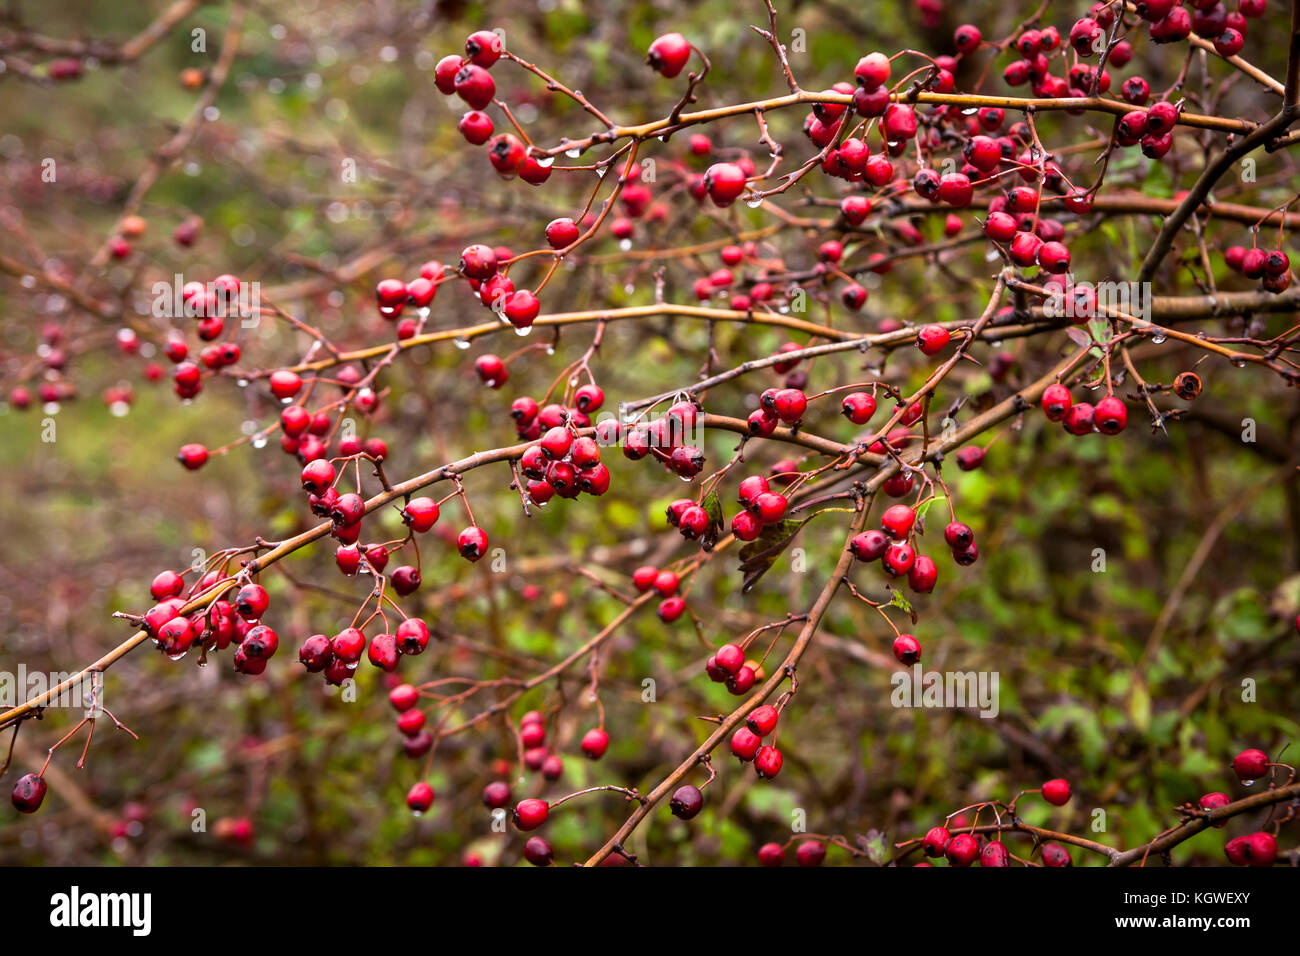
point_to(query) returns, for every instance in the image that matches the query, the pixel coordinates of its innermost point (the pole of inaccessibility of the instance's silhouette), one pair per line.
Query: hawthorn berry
(28, 793)
(405, 579)
(897, 521)
(962, 850)
(412, 636)
(767, 762)
(1259, 849)
(420, 514)
(1055, 855)
(475, 86)
(670, 609)
(668, 54)
(1057, 792)
(742, 681)
(1056, 402)
(869, 545)
(907, 649)
(771, 854)
(770, 507)
(995, 853)
(762, 720)
(745, 743)
(193, 456)
(724, 183)
(686, 802)
(472, 543)
(898, 559)
(810, 853)
(403, 697)
(936, 842)
(538, 852)
(1110, 416)
(167, 584)
(970, 458)
(530, 814)
(1250, 765)
(594, 743)
(1078, 419)
(251, 601)
(858, 407)
(420, 797)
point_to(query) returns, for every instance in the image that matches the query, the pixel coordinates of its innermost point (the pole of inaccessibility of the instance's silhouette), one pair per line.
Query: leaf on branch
(925, 506)
(899, 601)
(713, 508)
(757, 557)
(874, 845)
(1078, 336)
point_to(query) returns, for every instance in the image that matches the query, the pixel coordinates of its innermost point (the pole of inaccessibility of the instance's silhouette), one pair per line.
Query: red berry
(686, 802)
(420, 797)
(1078, 420)
(858, 407)
(932, 339)
(771, 854)
(193, 457)
(872, 71)
(898, 559)
(810, 853)
(251, 602)
(1057, 792)
(768, 762)
(724, 182)
(742, 681)
(1250, 765)
(730, 658)
(420, 514)
(562, 233)
(531, 813)
(962, 850)
(670, 609)
(1110, 416)
(869, 545)
(1260, 849)
(907, 649)
(594, 743)
(936, 842)
(475, 86)
(745, 743)
(484, 48)
(762, 720)
(167, 584)
(995, 853)
(1056, 402)
(538, 852)
(897, 521)
(1055, 855)
(472, 543)
(668, 54)
(29, 793)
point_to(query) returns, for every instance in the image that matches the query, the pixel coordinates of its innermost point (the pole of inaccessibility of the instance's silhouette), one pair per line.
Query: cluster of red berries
(561, 462)
(1080, 418)
(667, 583)
(1272, 267)
(894, 547)
(217, 626)
(964, 849)
(469, 78)
(747, 741)
(808, 853)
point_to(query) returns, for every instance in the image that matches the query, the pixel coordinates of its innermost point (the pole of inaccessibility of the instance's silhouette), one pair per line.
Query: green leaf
(757, 557)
